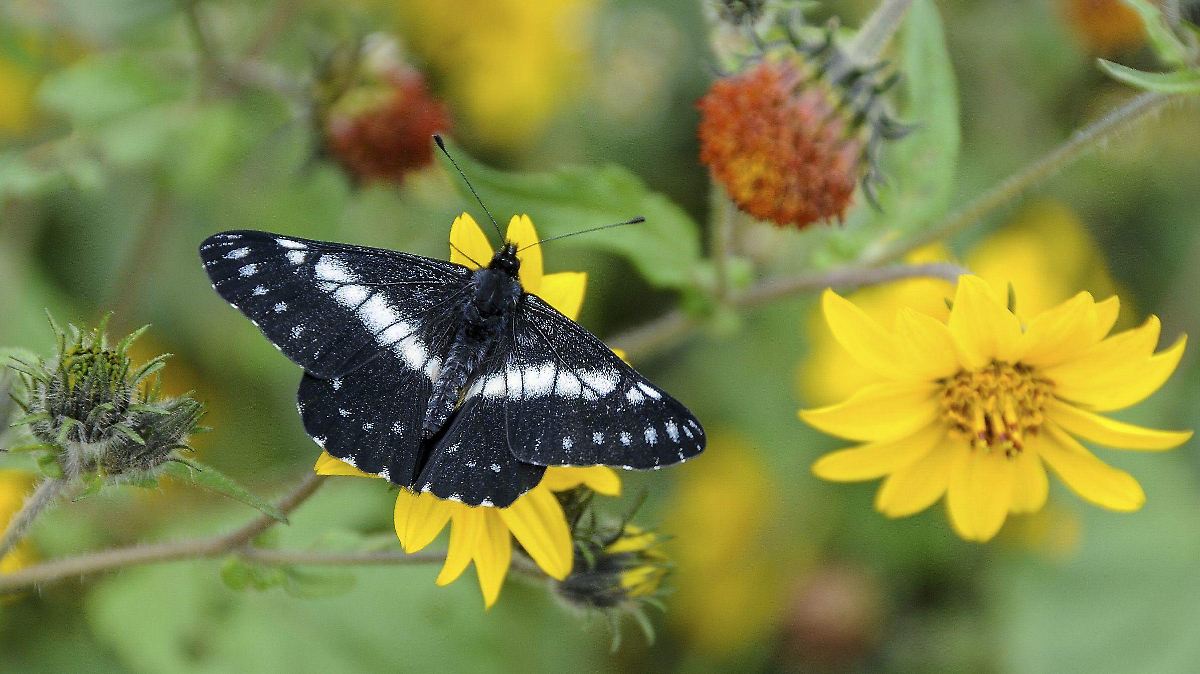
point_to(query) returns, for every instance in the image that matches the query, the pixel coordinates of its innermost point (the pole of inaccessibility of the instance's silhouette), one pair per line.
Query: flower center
(995, 408)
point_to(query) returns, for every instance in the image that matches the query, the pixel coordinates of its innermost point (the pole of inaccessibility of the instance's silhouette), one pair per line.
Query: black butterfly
(441, 378)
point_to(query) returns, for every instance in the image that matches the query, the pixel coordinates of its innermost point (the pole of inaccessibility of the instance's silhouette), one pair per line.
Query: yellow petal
(1106, 316)
(925, 345)
(536, 519)
(468, 244)
(600, 479)
(1110, 432)
(1119, 371)
(885, 411)
(563, 291)
(864, 339)
(876, 459)
(919, 485)
(1093, 480)
(1061, 332)
(327, 464)
(493, 554)
(522, 233)
(465, 527)
(1030, 486)
(983, 328)
(980, 494)
(419, 518)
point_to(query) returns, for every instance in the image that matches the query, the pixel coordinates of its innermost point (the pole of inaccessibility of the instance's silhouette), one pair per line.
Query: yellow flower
(508, 65)
(483, 534)
(975, 407)
(14, 486)
(1017, 254)
(729, 567)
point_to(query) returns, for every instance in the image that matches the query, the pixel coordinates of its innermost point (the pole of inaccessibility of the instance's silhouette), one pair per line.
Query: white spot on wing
(296, 331)
(626, 438)
(567, 442)
(634, 396)
(248, 270)
(651, 435)
(672, 431)
(649, 390)
(288, 243)
(602, 382)
(495, 467)
(350, 296)
(237, 253)
(329, 268)
(259, 290)
(597, 437)
(295, 256)
(280, 307)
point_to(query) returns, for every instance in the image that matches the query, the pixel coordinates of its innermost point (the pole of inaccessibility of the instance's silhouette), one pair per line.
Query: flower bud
(617, 572)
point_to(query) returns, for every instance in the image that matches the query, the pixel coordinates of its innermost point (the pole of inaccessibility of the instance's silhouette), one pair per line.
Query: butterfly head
(506, 260)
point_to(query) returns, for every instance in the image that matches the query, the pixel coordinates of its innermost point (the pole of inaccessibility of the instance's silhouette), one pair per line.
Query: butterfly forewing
(569, 400)
(331, 307)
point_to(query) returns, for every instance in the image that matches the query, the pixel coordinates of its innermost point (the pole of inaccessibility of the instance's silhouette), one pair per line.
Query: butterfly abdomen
(484, 318)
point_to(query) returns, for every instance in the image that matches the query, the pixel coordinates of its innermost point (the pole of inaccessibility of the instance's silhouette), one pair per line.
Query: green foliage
(1179, 82)
(665, 249)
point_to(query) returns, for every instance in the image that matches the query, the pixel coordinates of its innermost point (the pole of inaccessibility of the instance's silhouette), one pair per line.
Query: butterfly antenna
(437, 138)
(631, 221)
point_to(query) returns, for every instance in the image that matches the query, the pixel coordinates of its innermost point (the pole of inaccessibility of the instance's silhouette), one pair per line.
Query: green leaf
(213, 480)
(49, 466)
(1180, 82)
(314, 585)
(1162, 39)
(665, 249)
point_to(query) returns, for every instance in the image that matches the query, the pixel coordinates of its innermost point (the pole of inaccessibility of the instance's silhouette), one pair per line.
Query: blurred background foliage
(121, 148)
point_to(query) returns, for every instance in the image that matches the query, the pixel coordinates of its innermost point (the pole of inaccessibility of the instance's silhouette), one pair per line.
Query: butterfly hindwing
(569, 400)
(330, 307)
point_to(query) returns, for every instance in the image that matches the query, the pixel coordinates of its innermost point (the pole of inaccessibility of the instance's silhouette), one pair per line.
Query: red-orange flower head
(791, 136)
(378, 120)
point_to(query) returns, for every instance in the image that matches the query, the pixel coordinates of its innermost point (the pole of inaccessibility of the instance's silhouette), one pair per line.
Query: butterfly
(441, 378)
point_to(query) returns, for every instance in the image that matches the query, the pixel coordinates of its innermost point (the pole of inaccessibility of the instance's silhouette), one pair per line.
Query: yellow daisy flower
(975, 407)
(482, 534)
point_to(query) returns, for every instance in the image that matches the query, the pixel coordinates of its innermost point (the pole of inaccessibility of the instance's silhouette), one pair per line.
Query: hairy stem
(672, 327)
(1032, 175)
(42, 498)
(877, 31)
(317, 558)
(106, 560)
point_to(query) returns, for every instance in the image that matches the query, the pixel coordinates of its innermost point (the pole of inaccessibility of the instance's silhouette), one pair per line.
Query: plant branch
(672, 327)
(1032, 175)
(318, 558)
(160, 552)
(42, 498)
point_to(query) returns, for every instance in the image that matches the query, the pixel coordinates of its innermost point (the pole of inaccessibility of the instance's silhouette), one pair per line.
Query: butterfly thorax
(495, 293)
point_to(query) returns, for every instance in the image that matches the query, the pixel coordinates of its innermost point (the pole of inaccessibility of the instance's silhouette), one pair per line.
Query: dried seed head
(791, 134)
(377, 114)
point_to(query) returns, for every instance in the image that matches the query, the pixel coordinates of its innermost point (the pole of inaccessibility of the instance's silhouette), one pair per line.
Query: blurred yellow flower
(14, 487)
(1017, 254)
(727, 578)
(482, 534)
(17, 85)
(508, 65)
(973, 406)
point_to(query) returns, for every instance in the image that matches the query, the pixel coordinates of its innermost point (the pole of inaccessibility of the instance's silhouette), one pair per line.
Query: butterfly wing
(569, 400)
(331, 307)
(370, 327)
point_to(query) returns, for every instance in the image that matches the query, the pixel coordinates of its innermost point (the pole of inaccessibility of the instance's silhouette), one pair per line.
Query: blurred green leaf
(665, 249)
(207, 477)
(304, 584)
(104, 86)
(1180, 82)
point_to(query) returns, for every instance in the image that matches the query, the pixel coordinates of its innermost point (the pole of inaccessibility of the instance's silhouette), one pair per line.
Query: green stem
(1032, 175)
(877, 31)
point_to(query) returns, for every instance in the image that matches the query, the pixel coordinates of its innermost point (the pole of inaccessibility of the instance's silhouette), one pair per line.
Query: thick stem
(161, 552)
(42, 498)
(1032, 175)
